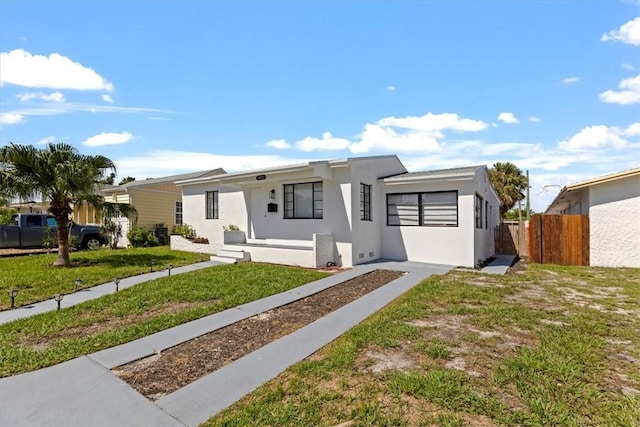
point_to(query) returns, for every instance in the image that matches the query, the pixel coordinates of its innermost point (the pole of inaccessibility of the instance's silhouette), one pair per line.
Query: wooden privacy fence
(511, 238)
(559, 239)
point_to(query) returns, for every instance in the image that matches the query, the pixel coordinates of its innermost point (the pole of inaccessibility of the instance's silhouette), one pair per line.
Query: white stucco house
(613, 205)
(347, 212)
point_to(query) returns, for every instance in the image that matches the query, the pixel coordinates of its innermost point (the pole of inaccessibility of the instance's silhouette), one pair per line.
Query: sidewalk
(84, 392)
(95, 292)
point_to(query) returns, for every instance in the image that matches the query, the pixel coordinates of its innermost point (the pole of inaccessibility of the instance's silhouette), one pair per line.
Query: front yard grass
(553, 345)
(54, 337)
(37, 280)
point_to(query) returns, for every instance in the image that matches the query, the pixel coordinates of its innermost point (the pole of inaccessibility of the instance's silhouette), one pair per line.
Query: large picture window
(478, 209)
(212, 205)
(178, 213)
(365, 202)
(436, 209)
(303, 201)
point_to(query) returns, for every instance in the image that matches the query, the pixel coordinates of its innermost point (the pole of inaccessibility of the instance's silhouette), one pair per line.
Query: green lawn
(54, 337)
(37, 280)
(551, 346)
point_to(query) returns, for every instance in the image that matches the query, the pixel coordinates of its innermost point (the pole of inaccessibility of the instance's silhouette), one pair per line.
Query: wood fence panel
(559, 239)
(511, 238)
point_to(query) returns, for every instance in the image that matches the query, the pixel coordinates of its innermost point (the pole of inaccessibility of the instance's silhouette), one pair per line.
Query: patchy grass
(37, 280)
(552, 345)
(50, 338)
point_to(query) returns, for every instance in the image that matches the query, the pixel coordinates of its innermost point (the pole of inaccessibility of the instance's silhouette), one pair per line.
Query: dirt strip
(165, 372)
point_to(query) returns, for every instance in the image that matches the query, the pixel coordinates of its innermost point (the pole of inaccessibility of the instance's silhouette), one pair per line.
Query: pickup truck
(29, 231)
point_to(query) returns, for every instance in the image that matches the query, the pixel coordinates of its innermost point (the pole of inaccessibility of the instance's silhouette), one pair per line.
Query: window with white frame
(365, 202)
(478, 211)
(303, 201)
(433, 209)
(211, 205)
(178, 213)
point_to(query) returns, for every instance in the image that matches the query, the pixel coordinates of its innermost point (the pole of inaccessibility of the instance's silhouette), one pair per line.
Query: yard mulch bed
(163, 373)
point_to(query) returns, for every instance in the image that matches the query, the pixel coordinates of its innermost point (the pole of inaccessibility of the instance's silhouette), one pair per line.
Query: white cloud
(53, 109)
(629, 92)
(108, 138)
(508, 118)
(328, 142)
(533, 119)
(169, 162)
(434, 122)
(107, 98)
(597, 137)
(391, 88)
(46, 140)
(53, 96)
(570, 80)
(387, 139)
(55, 71)
(11, 119)
(628, 33)
(633, 129)
(626, 66)
(279, 144)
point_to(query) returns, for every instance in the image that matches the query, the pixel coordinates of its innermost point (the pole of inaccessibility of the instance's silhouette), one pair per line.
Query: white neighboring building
(347, 212)
(613, 205)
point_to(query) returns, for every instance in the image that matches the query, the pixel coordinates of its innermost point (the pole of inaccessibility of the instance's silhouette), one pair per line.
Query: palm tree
(58, 174)
(509, 183)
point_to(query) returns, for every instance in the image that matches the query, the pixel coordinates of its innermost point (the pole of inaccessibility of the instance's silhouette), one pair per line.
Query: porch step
(231, 256)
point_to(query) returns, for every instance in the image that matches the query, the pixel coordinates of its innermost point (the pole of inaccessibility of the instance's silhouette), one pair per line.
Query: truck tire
(91, 242)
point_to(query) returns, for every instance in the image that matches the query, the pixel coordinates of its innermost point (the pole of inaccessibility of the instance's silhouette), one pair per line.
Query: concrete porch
(303, 253)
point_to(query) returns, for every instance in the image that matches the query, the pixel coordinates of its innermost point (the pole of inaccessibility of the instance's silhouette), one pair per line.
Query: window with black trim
(178, 213)
(434, 209)
(478, 210)
(212, 204)
(303, 201)
(486, 214)
(365, 202)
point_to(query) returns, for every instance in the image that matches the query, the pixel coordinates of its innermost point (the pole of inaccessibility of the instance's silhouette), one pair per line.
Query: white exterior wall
(484, 242)
(614, 223)
(367, 235)
(440, 245)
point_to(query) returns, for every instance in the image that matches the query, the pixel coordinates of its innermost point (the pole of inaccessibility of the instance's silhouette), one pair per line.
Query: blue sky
(165, 87)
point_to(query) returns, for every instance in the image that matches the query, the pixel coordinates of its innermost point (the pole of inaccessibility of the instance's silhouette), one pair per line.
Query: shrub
(185, 230)
(139, 237)
(230, 227)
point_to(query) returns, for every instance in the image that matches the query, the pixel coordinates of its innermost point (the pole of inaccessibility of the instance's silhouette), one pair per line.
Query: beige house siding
(154, 206)
(84, 214)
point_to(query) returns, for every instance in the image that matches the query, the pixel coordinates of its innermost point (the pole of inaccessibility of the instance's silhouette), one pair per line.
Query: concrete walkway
(94, 292)
(499, 265)
(84, 392)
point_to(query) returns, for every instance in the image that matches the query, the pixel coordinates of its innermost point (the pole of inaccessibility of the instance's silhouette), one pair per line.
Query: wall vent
(360, 255)
(371, 254)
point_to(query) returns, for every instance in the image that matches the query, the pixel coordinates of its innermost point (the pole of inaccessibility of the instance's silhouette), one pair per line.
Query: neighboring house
(346, 212)
(30, 207)
(157, 201)
(613, 205)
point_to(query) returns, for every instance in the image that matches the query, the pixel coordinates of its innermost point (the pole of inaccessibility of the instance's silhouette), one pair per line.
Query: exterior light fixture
(153, 262)
(58, 299)
(117, 282)
(272, 194)
(77, 284)
(201, 256)
(169, 269)
(12, 295)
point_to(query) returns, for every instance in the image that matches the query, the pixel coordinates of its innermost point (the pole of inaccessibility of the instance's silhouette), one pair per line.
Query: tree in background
(126, 180)
(59, 174)
(510, 185)
(5, 211)
(109, 179)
